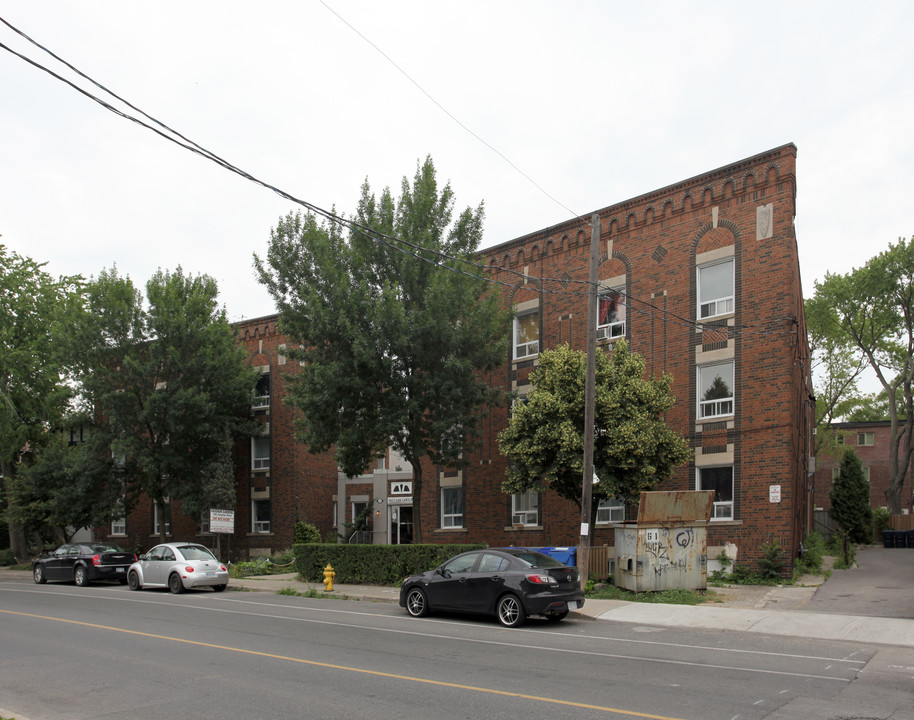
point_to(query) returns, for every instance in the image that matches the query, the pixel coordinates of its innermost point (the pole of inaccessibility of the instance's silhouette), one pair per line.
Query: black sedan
(83, 563)
(510, 583)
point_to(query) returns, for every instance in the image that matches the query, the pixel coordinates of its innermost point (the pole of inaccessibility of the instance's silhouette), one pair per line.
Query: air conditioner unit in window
(603, 333)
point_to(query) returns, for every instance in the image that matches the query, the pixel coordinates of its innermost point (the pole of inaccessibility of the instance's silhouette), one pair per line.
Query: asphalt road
(106, 652)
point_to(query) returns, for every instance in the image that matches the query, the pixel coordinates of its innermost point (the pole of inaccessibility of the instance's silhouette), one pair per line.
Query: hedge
(371, 564)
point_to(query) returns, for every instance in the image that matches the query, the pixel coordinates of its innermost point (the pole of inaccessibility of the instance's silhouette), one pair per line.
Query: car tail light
(188, 568)
(538, 579)
(223, 568)
(96, 560)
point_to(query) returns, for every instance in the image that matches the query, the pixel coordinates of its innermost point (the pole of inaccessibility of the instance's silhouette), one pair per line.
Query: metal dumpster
(667, 546)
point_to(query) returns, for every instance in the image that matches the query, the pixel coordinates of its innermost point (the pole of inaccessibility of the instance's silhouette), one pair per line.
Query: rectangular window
(260, 453)
(119, 526)
(866, 439)
(527, 334)
(839, 439)
(715, 390)
(261, 397)
(611, 511)
(835, 473)
(260, 516)
(611, 314)
(452, 507)
(525, 508)
(720, 480)
(156, 519)
(715, 289)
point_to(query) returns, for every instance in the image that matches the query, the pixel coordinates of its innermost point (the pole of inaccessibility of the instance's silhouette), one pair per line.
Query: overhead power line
(418, 252)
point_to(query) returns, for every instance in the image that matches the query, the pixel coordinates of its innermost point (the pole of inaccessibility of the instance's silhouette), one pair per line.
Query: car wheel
(510, 611)
(133, 581)
(556, 617)
(38, 574)
(219, 588)
(175, 586)
(81, 576)
(417, 603)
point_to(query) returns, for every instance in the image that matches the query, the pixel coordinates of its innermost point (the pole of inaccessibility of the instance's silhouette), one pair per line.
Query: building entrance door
(401, 524)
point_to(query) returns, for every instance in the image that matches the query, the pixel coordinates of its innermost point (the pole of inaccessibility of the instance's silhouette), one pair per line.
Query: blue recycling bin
(567, 555)
(901, 538)
(910, 534)
(888, 538)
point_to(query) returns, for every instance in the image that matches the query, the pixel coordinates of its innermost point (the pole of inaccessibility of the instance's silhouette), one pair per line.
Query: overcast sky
(595, 102)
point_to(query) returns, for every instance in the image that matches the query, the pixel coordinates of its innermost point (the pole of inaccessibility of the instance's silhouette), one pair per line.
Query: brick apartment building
(870, 440)
(701, 277)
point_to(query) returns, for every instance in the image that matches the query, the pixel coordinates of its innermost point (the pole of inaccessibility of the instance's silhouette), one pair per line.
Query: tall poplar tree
(395, 331)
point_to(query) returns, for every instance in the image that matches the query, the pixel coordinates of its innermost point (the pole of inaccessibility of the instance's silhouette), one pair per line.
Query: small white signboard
(221, 521)
(774, 493)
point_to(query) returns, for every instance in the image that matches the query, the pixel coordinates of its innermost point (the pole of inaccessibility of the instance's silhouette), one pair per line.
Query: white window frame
(452, 519)
(155, 518)
(531, 348)
(614, 328)
(525, 508)
(119, 526)
(260, 526)
(723, 510)
(721, 304)
(260, 463)
(868, 439)
(610, 511)
(258, 402)
(718, 407)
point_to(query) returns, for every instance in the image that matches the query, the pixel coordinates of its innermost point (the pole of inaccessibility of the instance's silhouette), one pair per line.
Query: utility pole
(589, 383)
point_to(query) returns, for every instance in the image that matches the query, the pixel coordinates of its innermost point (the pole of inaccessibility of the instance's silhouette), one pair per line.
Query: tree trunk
(417, 502)
(18, 544)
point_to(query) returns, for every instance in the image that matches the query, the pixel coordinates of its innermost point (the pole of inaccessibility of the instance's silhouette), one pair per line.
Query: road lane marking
(515, 644)
(347, 668)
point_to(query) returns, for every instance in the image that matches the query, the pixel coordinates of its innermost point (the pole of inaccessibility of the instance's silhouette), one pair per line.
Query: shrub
(881, 516)
(772, 564)
(7, 557)
(306, 533)
(371, 564)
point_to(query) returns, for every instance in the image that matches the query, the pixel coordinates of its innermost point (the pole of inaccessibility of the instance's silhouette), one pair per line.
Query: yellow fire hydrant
(329, 574)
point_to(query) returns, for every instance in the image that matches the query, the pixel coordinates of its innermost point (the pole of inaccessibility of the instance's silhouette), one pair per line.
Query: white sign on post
(222, 521)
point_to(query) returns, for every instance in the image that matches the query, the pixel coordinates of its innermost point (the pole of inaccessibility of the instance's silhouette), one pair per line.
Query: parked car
(179, 567)
(510, 583)
(83, 563)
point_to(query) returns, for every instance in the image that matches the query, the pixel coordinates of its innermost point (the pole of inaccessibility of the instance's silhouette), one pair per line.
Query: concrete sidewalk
(774, 611)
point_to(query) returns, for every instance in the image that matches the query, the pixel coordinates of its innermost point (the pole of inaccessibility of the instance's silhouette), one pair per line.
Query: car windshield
(537, 559)
(104, 547)
(196, 552)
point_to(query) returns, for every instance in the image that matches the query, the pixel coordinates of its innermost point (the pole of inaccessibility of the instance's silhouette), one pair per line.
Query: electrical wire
(392, 242)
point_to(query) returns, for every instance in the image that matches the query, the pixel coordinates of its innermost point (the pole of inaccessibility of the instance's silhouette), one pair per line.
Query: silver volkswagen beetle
(179, 567)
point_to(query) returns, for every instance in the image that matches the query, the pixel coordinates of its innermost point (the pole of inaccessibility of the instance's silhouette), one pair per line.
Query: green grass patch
(311, 593)
(671, 597)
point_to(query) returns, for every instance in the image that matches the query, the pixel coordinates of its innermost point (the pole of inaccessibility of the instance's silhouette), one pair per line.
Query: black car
(83, 563)
(511, 583)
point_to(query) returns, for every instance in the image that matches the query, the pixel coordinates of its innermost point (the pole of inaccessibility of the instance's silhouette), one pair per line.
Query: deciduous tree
(634, 449)
(168, 383)
(874, 306)
(396, 332)
(33, 396)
